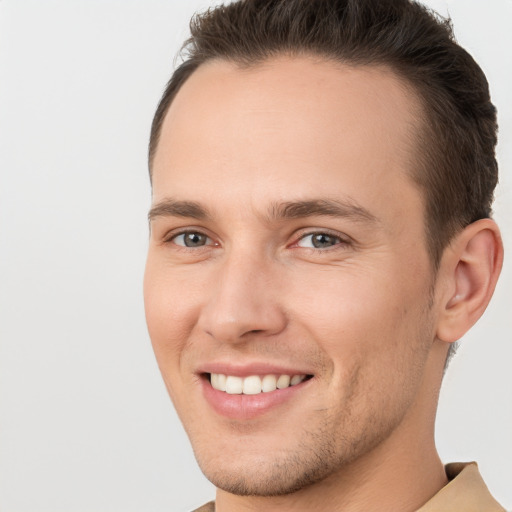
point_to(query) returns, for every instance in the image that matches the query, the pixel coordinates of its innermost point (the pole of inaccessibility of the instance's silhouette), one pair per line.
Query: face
(288, 286)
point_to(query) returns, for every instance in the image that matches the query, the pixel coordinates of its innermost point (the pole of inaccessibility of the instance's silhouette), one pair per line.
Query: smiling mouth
(253, 384)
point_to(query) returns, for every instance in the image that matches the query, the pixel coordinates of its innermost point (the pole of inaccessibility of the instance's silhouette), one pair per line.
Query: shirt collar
(466, 491)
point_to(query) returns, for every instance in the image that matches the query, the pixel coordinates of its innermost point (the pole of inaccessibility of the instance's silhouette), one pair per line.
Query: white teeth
(283, 381)
(297, 379)
(254, 384)
(234, 385)
(221, 382)
(269, 383)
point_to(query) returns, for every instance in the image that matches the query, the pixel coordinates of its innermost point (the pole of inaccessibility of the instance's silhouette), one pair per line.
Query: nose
(243, 301)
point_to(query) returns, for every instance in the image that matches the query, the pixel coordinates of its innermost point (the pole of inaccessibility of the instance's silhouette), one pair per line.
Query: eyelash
(341, 241)
(171, 238)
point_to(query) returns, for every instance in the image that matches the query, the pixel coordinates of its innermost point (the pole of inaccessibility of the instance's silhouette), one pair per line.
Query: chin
(266, 478)
(244, 469)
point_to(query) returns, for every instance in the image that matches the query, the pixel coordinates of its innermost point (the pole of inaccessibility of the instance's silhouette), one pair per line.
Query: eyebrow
(278, 211)
(172, 208)
(322, 207)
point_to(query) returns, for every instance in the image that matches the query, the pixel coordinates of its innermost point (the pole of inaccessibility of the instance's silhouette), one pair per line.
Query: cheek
(344, 301)
(362, 318)
(170, 313)
(372, 341)
(170, 317)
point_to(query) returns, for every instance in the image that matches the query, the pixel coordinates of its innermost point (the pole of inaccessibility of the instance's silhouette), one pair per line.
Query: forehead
(286, 126)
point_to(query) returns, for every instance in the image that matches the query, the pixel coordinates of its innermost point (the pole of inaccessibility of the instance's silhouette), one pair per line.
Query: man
(322, 178)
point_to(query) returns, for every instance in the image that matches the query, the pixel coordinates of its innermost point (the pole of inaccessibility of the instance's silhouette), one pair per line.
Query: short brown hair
(457, 168)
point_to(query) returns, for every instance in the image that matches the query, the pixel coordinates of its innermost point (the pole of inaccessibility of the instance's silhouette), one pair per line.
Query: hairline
(409, 86)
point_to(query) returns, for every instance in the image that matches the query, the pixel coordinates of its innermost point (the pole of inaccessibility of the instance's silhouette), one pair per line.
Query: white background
(85, 422)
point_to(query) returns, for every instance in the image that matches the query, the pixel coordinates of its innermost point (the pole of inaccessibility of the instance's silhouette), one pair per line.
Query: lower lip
(246, 407)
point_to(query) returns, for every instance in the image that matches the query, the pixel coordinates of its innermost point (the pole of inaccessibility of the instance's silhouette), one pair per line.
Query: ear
(470, 268)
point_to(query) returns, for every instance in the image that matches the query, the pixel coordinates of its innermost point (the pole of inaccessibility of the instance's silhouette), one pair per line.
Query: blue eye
(191, 239)
(319, 241)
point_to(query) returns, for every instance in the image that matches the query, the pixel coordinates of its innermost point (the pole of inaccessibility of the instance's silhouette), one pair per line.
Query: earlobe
(472, 267)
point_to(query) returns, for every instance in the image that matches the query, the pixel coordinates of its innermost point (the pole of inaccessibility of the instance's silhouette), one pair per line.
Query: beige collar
(465, 492)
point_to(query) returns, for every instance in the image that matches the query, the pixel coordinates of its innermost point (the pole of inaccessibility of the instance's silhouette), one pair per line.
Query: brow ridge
(277, 211)
(322, 207)
(172, 208)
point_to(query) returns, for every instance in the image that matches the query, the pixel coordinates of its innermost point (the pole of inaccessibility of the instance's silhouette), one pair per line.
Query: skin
(364, 315)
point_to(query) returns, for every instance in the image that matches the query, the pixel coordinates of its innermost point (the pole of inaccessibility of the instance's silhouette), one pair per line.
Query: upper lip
(256, 368)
